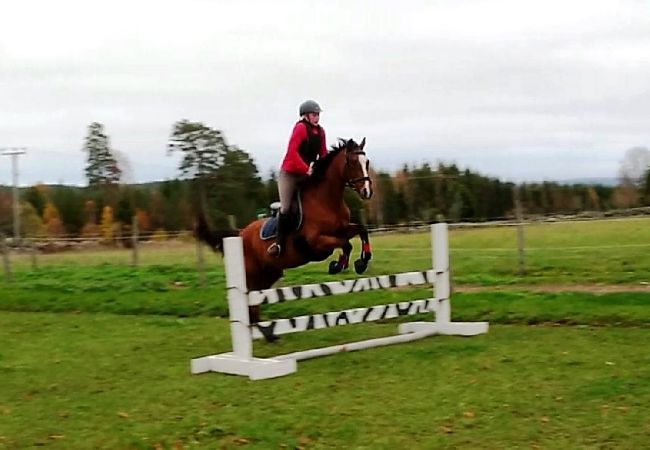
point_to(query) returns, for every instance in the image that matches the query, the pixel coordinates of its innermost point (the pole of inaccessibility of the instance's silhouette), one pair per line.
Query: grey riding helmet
(309, 106)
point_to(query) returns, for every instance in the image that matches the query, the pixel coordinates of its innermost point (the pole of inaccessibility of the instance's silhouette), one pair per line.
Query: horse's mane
(321, 165)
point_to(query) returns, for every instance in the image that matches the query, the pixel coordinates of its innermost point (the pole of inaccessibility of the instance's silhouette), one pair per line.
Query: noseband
(352, 181)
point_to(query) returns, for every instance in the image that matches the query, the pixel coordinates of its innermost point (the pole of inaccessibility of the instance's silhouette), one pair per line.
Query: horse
(325, 223)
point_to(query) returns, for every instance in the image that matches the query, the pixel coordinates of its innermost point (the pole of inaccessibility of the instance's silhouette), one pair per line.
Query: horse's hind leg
(260, 279)
(344, 260)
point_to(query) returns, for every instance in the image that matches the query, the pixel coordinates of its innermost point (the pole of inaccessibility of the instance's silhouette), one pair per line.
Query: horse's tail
(205, 233)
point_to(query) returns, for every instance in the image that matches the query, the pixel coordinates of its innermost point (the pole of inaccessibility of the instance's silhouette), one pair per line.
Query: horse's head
(357, 166)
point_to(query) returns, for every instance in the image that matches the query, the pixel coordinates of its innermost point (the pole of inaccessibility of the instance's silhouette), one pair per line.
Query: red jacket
(297, 158)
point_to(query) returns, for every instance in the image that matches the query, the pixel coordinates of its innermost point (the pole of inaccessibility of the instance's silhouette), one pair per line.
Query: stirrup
(274, 249)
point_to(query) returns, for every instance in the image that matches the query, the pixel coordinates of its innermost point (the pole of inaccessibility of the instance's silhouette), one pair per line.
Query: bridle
(351, 182)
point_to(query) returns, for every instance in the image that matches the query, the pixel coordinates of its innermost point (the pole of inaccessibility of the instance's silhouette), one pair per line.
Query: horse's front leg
(361, 264)
(344, 259)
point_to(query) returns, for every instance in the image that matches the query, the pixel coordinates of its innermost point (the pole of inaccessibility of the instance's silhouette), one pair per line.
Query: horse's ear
(363, 143)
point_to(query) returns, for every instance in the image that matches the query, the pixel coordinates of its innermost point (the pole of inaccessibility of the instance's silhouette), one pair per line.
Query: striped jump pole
(241, 360)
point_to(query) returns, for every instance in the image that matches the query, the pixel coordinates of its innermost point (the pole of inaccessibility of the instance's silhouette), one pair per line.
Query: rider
(306, 145)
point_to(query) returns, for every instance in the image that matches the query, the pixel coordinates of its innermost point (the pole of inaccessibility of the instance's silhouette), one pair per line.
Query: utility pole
(14, 152)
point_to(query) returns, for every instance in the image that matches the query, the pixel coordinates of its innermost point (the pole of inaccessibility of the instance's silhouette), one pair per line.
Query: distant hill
(602, 181)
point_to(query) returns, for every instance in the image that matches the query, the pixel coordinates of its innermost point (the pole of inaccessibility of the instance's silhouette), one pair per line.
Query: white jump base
(241, 360)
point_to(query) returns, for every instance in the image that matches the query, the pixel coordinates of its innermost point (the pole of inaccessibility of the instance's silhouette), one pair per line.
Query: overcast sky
(521, 90)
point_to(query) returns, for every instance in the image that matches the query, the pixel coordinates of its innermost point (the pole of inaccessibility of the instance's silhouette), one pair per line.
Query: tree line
(225, 180)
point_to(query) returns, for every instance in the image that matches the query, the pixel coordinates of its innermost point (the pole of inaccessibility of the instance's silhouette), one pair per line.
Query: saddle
(270, 226)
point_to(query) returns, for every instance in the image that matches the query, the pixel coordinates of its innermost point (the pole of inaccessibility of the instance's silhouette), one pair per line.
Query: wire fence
(500, 250)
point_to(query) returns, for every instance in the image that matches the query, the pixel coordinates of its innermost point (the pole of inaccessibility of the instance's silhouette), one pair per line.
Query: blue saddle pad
(270, 226)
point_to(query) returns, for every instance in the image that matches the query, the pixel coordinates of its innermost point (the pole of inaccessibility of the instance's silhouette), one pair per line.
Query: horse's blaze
(364, 162)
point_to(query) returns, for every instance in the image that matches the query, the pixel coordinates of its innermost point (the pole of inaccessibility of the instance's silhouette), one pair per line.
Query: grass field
(105, 381)
(95, 354)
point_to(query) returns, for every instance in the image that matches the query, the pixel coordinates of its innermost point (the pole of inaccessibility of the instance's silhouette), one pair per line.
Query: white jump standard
(241, 361)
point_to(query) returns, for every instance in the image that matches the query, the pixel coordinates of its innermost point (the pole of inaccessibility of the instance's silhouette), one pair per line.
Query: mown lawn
(95, 353)
(105, 381)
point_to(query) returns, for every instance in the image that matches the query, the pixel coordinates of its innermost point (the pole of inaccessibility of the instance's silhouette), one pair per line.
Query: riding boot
(284, 222)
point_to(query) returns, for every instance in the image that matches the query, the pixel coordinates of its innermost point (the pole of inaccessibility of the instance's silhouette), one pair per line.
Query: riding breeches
(287, 183)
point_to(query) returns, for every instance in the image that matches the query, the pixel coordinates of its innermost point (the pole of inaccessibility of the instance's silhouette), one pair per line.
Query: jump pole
(241, 360)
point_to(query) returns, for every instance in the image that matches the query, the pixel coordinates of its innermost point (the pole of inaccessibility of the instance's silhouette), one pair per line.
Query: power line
(14, 152)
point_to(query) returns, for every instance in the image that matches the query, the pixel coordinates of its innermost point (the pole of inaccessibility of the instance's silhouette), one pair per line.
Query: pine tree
(102, 168)
(203, 148)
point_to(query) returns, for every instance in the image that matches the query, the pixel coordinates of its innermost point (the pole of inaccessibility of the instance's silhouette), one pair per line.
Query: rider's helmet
(309, 106)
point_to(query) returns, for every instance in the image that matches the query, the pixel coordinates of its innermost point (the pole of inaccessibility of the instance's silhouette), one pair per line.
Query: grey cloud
(518, 99)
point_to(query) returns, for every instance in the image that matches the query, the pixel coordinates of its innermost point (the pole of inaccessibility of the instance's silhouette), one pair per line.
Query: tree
(102, 168)
(645, 187)
(69, 202)
(156, 206)
(625, 196)
(37, 197)
(52, 221)
(272, 189)
(389, 205)
(404, 193)
(203, 148)
(174, 196)
(237, 178)
(90, 228)
(221, 172)
(107, 225)
(6, 211)
(634, 165)
(124, 209)
(30, 220)
(593, 200)
(142, 219)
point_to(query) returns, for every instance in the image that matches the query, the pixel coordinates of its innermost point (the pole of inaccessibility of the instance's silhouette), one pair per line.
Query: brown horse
(325, 223)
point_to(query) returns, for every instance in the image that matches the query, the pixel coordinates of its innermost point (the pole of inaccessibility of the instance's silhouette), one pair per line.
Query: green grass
(122, 382)
(608, 252)
(122, 290)
(102, 358)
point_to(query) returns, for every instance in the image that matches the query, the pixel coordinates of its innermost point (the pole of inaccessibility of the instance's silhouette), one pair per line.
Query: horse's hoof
(334, 268)
(360, 266)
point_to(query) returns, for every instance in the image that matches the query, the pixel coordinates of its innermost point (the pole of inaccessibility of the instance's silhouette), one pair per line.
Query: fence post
(200, 262)
(5, 257)
(134, 240)
(32, 252)
(520, 232)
